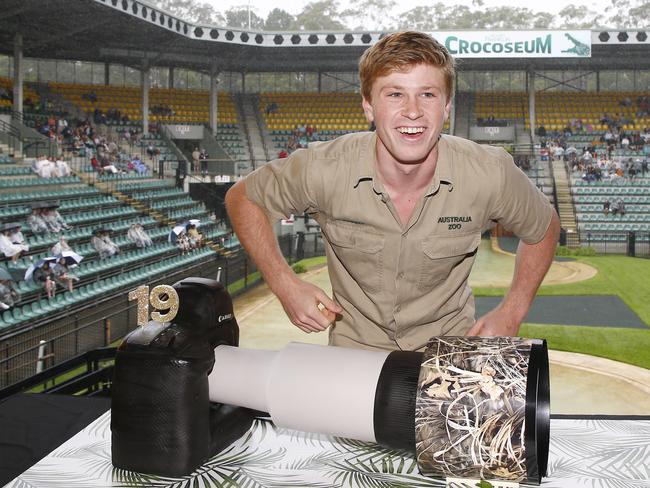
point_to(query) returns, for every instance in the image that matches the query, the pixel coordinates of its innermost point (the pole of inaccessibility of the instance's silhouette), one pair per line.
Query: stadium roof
(129, 31)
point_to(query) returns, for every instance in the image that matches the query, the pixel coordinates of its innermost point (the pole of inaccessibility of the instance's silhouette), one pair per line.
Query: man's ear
(367, 109)
(448, 108)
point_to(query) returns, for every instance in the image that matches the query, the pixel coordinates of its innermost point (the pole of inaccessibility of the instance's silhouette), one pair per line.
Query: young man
(402, 211)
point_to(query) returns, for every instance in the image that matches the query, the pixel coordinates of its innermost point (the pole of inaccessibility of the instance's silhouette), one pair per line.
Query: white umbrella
(37, 264)
(71, 258)
(182, 227)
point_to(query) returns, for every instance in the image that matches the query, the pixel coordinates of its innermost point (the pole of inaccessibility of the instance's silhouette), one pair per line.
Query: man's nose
(412, 108)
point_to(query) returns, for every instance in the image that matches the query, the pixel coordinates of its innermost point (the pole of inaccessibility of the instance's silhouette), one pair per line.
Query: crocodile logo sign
(579, 48)
(516, 44)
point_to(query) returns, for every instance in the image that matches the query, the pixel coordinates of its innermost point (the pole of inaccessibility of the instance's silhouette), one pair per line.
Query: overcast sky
(263, 7)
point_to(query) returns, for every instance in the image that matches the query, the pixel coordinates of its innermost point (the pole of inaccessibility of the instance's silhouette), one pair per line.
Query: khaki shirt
(400, 285)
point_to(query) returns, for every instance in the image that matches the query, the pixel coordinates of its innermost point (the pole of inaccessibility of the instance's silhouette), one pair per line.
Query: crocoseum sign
(517, 44)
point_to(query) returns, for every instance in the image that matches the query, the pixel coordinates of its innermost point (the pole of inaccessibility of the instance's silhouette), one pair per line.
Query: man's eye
(428, 95)
(394, 94)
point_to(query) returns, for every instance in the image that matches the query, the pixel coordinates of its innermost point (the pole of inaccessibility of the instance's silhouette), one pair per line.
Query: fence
(104, 321)
(635, 244)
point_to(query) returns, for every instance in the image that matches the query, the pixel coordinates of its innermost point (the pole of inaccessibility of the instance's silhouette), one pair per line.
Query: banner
(516, 44)
(184, 131)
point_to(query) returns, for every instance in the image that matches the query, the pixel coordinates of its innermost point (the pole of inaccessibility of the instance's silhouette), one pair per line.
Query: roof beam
(67, 33)
(22, 8)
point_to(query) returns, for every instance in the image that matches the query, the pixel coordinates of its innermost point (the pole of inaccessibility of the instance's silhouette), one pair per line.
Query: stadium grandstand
(117, 117)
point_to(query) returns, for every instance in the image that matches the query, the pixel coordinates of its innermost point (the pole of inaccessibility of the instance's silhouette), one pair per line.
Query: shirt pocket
(441, 254)
(359, 248)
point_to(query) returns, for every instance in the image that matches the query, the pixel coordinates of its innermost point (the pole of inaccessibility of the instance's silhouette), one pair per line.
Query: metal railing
(101, 323)
(636, 244)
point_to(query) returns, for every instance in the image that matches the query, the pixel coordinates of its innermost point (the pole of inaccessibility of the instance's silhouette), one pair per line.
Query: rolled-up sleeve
(282, 187)
(521, 207)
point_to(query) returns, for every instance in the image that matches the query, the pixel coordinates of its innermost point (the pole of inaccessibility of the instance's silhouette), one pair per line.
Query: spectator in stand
(36, 221)
(183, 242)
(44, 277)
(97, 166)
(196, 154)
(61, 168)
(606, 205)
(108, 166)
(42, 167)
(283, 154)
(138, 165)
(621, 207)
(152, 151)
(60, 246)
(103, 244)
(62, 275)
(16, 236)
(194, 236)
(7, 247)
(139, 236)
(53, 219)
(8, 295)
(625, 142)
(203, 158)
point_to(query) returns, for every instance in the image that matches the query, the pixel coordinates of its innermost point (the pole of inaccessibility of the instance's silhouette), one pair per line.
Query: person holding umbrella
(44, 277)
(61, 273)
(194, 236)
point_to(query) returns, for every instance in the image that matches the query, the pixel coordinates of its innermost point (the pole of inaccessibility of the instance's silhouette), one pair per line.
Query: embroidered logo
(454, 222)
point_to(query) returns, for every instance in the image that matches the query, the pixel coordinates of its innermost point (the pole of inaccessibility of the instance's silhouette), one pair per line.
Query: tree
(279, 20)
(192, 11)
(417, 18)
(237, 18)
(320, 15)
(578, 17)
(628, 14)
(370, 14)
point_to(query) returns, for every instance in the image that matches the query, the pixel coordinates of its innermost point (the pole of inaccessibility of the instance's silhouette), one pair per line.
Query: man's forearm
(255, 233)
(531, 265)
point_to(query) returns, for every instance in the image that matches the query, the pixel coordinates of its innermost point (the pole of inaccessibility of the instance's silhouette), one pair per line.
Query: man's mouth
(411, 130)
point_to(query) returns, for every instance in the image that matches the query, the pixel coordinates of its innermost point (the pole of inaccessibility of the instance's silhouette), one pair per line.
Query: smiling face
(409, 109)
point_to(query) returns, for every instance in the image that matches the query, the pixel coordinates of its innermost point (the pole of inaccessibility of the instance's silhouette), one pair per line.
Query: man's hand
(497, 322)
(307, 306)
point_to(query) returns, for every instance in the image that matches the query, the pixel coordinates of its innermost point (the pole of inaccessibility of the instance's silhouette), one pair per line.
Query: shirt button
(398, 308)
(400, 276)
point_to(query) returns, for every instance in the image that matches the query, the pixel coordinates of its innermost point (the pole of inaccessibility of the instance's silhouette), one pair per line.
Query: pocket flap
(437, 247)
(356, 236)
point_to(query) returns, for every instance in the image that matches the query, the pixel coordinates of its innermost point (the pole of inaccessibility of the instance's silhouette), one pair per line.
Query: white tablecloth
(584, 453)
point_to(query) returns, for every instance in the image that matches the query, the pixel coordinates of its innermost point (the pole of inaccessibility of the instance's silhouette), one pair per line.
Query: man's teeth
(410, 130)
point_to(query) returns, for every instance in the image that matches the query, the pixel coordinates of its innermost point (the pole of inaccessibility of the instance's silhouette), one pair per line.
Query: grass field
(629, 278)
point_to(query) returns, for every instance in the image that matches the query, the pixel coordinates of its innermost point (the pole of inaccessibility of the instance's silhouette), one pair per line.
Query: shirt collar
(365, 169)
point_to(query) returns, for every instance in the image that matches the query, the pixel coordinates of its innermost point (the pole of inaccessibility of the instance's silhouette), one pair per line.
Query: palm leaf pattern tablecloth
(586, 453)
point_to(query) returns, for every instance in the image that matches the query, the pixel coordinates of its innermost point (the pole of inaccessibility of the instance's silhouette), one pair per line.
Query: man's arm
(301, 300)
(531, 264)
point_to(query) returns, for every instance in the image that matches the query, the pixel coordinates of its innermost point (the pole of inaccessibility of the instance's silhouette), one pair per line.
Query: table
(595, 451)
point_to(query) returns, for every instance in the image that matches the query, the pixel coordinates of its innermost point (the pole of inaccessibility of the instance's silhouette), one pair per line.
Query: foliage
(320, 15)
(299, 268)
(238, 18)
(381, 15)
(580, 251)
(279, 20)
